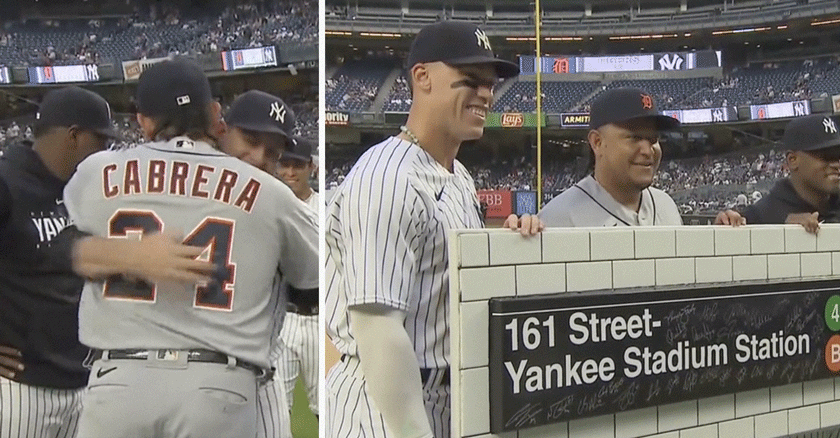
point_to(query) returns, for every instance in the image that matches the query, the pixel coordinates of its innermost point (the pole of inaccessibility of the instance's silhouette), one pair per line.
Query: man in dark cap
(387, 298)
(625, 128)
(172, 360)
(41, 370)
(259, 127)
(809, 194)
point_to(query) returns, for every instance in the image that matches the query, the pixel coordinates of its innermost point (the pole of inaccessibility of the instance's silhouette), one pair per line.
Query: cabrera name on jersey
(192, 189)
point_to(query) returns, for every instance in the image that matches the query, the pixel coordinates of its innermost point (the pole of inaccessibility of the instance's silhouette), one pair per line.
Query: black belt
(195, 355)
(302, 310)
(425, 373)
(302, 301)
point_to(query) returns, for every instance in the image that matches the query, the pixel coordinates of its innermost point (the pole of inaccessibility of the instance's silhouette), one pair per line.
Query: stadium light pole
(539, 104)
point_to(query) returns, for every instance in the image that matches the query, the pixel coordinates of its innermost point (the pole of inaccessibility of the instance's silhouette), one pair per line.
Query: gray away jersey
(588, 204)
(249, 222)
(386, 238)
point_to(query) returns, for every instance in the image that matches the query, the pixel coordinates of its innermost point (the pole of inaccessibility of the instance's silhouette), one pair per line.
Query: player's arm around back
(154, 258)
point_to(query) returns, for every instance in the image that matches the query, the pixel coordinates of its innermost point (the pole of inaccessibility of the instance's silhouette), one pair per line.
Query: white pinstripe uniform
(275, 398)
(49, 413)
(300, 342)
(386, 236)
(273, 417)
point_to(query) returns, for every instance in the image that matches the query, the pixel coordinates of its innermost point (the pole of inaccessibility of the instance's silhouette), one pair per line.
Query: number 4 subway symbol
(832, 320)
(215, 234)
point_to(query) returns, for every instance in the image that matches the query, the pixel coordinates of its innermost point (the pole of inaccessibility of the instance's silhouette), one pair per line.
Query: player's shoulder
(393, 162)
(659, 195)
(558, 211)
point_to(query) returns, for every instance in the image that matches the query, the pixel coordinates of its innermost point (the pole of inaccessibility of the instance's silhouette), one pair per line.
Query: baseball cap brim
(834, 142)
(662, 122)
(258, 128)
(504, 69)
(294, 156)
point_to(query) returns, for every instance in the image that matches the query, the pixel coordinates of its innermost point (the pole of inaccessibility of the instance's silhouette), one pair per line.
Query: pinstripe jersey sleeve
(380, 224)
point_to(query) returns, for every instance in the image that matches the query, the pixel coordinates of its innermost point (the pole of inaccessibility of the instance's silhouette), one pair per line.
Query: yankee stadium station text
(171, 178)
(589, 328)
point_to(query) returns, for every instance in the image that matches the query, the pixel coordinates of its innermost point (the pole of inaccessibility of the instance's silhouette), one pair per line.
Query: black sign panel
(559, 357)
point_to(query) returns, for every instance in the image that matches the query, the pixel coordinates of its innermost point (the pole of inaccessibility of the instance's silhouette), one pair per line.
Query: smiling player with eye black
(387, 302)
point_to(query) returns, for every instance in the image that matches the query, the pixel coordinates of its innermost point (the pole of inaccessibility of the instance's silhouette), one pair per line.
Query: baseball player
(258, 125)
(41, 372)
(386, 236)
(300, 329)
(624, 130)
(809, 194)
(175, 361)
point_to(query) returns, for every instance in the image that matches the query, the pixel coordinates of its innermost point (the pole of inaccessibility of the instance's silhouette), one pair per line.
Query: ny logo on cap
(183, 100)
(647, 102)
(830, 127)
(278, 112)
(482, 39)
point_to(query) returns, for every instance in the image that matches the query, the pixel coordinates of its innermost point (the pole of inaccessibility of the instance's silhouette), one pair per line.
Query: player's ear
(71, 141)
(594, 138)
(420, 77)
(791, 160)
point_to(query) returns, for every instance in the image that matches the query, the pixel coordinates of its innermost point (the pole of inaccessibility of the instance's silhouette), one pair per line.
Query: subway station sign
(555, 358)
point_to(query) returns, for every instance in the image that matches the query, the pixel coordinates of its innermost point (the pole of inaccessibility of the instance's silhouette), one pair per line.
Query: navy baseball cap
(811, 133)
(298, 149)
(170, 86)
(622, 104)
(456, 43)
(74, 106)
(262, 112)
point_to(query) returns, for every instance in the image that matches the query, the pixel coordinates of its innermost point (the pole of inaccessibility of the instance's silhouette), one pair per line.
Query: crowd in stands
(358, 94)
(722, 178)
(159, 30)
(307, 120)
(14, 132)
(752, 85)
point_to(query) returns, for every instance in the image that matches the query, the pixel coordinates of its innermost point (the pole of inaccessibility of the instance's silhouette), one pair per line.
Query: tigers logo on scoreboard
(561, 65)
(512, 120)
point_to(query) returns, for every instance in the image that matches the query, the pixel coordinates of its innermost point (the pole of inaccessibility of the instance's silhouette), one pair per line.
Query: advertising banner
(498, 202)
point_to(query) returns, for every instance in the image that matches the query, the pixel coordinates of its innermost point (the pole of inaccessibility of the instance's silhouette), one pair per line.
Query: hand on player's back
(164, 258)
(10, 362)
(528, 225)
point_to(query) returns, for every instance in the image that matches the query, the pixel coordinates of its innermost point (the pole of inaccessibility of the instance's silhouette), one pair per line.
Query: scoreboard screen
(4, 76)
(563, 64)
(703, 115)
(61, 74)
(780, 110)
(249, 58)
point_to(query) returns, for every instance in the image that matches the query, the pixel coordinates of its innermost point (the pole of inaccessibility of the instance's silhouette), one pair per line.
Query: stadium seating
(669, 93)
(356, 83)
(557, 96)
(118, 39)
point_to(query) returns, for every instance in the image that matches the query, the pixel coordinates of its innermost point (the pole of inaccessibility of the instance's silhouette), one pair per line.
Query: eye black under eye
(475, 83)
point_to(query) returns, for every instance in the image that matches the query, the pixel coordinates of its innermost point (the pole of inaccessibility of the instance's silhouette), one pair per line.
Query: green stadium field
(304, 423)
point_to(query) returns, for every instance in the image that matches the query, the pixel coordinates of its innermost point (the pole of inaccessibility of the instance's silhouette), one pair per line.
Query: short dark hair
(192, 121)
